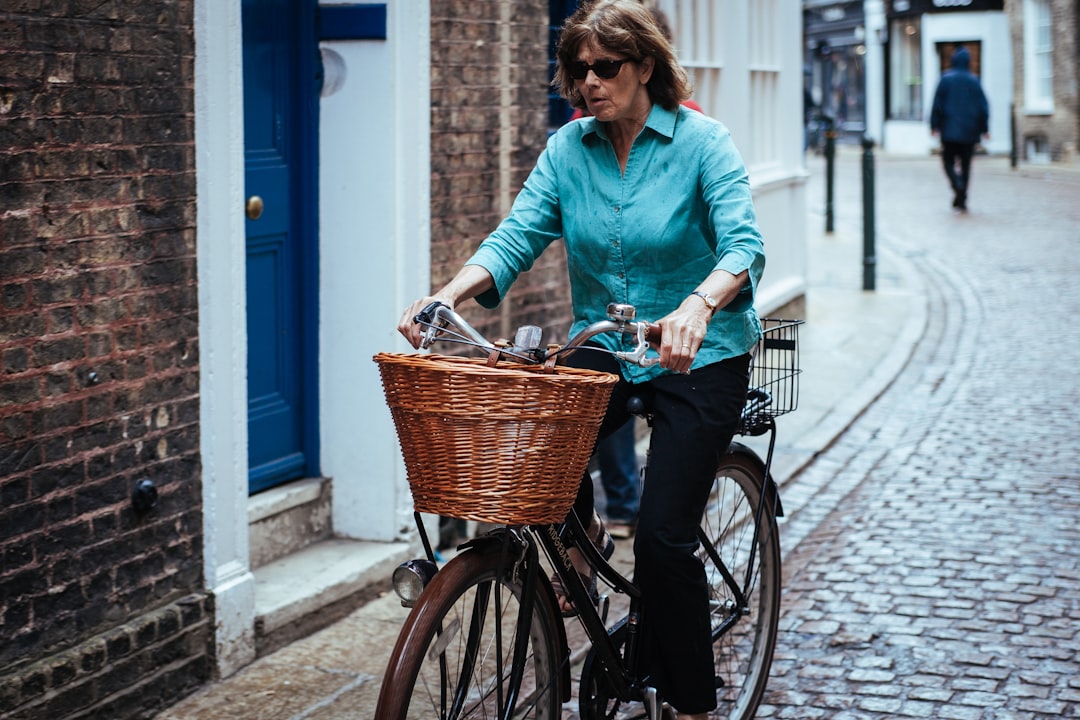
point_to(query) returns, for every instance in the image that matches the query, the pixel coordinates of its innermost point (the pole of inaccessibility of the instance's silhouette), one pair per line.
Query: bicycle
(484, 637)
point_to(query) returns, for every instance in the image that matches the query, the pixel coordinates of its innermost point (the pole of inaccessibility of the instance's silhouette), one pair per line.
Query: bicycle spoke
(466, 669)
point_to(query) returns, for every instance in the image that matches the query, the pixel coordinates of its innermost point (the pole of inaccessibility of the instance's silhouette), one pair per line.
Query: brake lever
(637, 355)
(429, 317)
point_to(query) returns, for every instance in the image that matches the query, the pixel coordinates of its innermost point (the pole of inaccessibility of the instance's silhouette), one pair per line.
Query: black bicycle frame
(555, 540)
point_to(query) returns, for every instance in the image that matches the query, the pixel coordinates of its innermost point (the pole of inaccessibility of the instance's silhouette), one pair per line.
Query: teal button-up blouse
(682, 209)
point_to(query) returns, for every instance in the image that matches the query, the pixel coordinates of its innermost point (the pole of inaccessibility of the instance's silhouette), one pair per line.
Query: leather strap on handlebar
(549, 363)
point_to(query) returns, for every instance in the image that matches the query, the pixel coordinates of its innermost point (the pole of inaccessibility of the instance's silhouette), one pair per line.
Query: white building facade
(373, 180)
(744, 58)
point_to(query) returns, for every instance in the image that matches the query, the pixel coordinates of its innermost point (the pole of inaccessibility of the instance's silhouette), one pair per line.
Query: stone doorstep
(305, 578)
(286, 518)
(305, 591)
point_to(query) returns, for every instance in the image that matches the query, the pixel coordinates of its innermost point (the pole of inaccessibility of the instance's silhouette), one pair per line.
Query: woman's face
(621, 97)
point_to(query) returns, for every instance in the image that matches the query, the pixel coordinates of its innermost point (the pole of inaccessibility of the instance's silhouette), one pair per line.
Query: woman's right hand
(470, 281)
(407, 325)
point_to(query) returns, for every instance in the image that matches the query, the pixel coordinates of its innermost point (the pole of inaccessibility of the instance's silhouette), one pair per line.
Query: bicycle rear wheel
(743, 639)
(454, 654)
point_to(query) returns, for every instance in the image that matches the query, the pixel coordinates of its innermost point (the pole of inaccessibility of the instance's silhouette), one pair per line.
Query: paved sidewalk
(852, 346)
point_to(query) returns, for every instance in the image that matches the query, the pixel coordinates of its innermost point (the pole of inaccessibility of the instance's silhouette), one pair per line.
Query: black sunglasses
(604, 69)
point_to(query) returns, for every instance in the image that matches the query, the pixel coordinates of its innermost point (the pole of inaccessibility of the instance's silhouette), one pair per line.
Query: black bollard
(1012, 136)
(830, 156)
(869, 259)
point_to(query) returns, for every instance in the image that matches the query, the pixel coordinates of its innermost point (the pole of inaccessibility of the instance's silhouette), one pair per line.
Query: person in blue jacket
(960, 116)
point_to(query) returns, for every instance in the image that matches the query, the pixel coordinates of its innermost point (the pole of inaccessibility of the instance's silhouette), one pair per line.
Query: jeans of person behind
(953, 153)
(694, 419)
(617, 460)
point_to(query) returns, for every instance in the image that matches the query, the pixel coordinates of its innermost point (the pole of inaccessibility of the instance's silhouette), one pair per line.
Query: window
(703, 32)
(1038, 57)
(696, 30)
(764, 69)
(905, 70)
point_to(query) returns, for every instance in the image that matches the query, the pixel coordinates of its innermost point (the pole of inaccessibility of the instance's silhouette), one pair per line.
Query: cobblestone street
(934, 573)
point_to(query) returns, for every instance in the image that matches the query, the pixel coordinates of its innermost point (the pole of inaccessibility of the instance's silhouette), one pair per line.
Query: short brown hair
(628, 28)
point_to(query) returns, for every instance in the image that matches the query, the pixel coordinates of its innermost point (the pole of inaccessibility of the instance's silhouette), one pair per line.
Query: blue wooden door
(278, 127)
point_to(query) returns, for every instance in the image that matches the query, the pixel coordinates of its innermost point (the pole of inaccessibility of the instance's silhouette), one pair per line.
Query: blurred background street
(937, 573)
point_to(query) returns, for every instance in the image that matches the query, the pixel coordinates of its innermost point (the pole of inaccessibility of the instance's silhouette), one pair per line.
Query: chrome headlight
(410, 578)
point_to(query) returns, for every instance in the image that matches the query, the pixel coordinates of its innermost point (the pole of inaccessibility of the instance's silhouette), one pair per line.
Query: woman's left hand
(683, 331)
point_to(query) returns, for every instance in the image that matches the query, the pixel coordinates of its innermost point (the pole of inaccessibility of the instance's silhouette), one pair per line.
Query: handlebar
(442, 323)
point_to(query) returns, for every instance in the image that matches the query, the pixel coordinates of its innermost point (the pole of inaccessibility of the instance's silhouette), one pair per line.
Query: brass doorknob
(254, 207)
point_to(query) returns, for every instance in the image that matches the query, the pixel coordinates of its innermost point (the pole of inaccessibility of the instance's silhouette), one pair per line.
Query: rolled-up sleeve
(726, 190)
(534, 223)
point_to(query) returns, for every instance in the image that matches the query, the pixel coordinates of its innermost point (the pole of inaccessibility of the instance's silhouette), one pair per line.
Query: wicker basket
(505, 444)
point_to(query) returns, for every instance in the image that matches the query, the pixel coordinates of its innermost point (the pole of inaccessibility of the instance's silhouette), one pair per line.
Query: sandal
(606, 546)
(602, 539)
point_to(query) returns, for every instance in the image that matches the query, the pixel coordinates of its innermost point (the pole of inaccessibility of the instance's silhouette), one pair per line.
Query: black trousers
(694, 419)
(956, 158)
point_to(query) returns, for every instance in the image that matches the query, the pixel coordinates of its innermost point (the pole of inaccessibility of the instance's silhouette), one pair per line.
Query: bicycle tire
(744, 650)
(444, 663)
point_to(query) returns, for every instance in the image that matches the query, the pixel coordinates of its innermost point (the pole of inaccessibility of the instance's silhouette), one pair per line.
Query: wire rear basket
(506, 444)
(774, 375)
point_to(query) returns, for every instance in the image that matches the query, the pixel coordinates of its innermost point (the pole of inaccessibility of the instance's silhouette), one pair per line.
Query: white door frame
(374, 258)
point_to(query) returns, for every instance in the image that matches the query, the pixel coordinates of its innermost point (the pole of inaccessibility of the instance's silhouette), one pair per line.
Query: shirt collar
(660, 121)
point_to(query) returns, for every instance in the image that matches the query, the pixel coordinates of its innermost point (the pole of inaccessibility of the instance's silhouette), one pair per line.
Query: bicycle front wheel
(453, 659)
(744, 584)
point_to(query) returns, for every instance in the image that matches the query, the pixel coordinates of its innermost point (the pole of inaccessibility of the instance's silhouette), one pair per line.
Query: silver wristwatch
(709, 299)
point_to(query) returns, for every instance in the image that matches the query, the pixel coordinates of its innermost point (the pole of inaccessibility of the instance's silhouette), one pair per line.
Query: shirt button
(617, 208)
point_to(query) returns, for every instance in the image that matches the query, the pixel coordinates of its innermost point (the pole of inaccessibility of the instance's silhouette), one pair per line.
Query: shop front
(835, 70)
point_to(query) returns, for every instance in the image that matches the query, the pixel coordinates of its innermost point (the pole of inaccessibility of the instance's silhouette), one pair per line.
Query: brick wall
(100, 606)
(1060, 129)
(489, 87)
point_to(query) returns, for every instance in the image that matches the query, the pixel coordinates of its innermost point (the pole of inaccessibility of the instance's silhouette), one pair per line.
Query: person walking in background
(960, 115)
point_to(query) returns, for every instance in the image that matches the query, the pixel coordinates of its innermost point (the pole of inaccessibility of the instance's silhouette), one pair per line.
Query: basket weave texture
(505, 444)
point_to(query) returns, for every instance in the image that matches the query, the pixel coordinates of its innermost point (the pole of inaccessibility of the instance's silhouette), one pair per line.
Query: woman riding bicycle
(653, 203)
